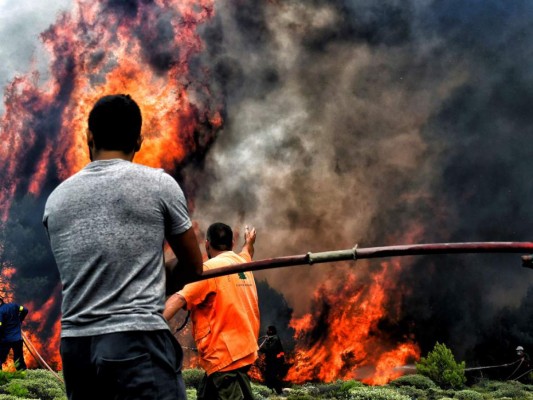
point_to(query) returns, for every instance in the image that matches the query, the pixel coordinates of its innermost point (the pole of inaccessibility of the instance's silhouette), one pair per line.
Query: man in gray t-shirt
(107, 225)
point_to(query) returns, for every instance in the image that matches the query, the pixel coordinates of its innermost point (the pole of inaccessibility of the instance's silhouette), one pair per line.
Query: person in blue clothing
(11, 317)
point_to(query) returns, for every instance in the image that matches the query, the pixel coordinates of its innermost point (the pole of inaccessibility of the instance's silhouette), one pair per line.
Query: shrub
(192, 377)
(6, 376)
(413, 393)
(440, 366)
(44, 388)
(15, 388)
(299, 394)
(260, 392)
(376, 393)
(43, 384)
(416, 380)
(328, 390)
(191, 393)
(343, 391)
(468, 395)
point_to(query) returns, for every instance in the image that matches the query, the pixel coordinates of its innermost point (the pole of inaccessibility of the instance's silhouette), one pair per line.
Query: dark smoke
(382, 123)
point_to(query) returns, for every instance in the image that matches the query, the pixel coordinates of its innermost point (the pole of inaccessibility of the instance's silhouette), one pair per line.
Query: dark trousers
(18, 355)
(227, 385)
(123, 366)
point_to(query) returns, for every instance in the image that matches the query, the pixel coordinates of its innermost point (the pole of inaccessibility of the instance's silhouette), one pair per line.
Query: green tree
(440, 366)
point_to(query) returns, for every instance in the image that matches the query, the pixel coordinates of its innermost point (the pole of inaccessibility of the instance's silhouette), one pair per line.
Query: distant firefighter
(11, 317)
(274, 365)
(523, 356)
(524, 367)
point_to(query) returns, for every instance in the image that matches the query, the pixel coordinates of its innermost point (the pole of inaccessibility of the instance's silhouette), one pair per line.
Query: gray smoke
(379, 123)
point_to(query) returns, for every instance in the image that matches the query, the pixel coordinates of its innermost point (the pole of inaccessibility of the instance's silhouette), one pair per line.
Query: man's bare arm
(188, 263)
(173, 304)
(249, 240)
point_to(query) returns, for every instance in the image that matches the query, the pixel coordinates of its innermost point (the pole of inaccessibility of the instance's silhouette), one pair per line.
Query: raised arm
(249, 240)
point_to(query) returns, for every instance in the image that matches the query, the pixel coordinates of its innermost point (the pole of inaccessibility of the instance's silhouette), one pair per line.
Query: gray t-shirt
(107, 225)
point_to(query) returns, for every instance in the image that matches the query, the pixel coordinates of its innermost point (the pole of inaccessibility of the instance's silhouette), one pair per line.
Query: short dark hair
(115, 122)
(220, 236)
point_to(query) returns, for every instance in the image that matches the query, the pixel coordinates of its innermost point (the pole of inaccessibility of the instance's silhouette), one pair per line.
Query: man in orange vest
(225, 317)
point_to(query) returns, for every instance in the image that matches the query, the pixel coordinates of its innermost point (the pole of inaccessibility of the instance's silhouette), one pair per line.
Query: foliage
(192, 377)
(415, 380)
(329, 390)
(343, 391)
(509, 389)
(44, 385)
(15, 388)
(468, 395)
(191, 394)
(413, 393)
(376, 393)
(299, 394)
(6, 376)
(31, 384)
(260, 391)
(440, 366)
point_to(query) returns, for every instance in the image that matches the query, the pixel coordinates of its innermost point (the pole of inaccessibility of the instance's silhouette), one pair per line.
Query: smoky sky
(380, 123)
(374, 123)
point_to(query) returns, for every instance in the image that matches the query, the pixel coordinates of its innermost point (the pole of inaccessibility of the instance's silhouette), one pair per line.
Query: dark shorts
(228, 385)
(123, 366)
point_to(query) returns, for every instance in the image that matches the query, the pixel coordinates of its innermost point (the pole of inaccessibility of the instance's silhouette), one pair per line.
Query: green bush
(15, 387)
(43, 384)
(192, 377)
(376, 393)
(343, 391)
(328, 390)
(501, 390)
(191, 393)
(440, 366)
(260, 391)
(6, 376)
(299, 394)
(468, 395)
(413, 393)
(416, 380)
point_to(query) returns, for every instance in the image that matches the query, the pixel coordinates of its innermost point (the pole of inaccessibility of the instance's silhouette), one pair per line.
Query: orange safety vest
(225, 316)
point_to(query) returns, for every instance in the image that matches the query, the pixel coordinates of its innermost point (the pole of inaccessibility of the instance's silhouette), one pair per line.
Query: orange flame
(340, 339)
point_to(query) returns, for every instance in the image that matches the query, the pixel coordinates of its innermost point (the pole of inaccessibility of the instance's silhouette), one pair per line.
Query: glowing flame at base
(340, 338)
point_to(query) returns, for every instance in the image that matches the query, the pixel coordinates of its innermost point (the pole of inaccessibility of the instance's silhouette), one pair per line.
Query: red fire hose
(33, 351)
(376, 252)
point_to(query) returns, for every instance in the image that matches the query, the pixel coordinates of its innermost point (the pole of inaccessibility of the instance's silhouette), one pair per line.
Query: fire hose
(520, 361)
(33, 351)
(356, 253)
